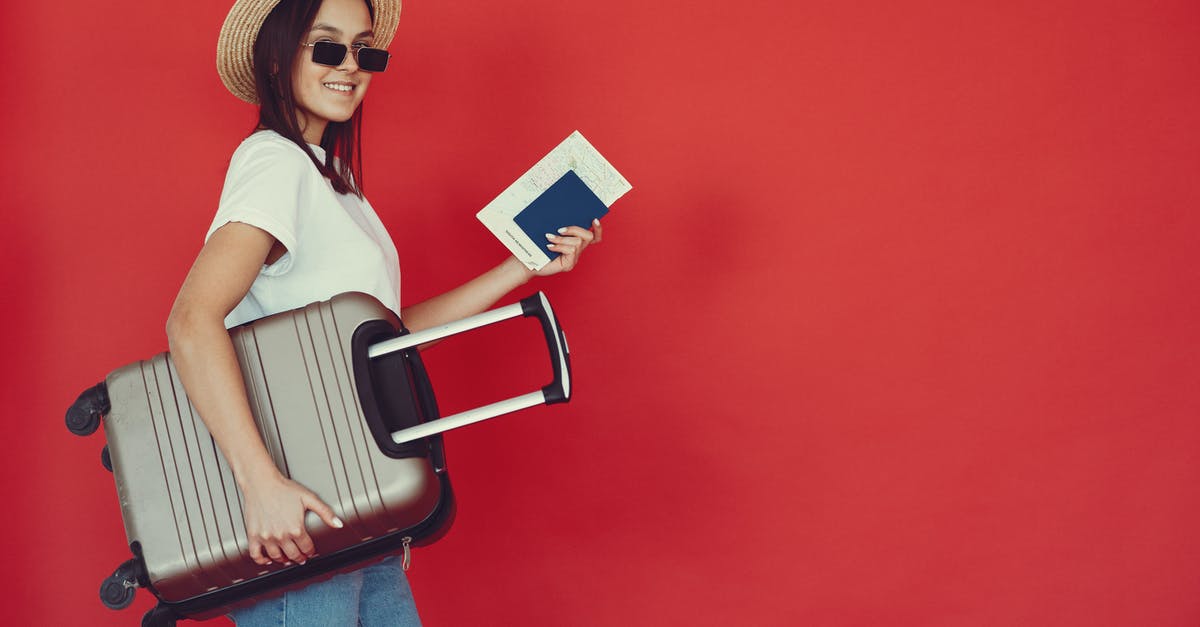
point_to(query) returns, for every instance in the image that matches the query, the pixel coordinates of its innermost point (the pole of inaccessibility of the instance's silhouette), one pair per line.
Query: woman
(293, 228)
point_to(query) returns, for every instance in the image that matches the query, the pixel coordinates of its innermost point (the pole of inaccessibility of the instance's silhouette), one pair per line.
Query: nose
(349, 62)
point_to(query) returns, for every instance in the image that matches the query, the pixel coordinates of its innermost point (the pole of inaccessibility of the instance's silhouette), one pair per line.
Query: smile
(342, 87)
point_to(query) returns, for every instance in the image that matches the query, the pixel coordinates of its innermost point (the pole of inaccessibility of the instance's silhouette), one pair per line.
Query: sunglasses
(333, 54)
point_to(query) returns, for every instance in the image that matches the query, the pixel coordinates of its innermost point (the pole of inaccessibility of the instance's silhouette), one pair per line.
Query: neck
(312, 130)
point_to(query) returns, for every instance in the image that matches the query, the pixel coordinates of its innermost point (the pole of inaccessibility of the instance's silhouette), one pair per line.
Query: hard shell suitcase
(344, 406)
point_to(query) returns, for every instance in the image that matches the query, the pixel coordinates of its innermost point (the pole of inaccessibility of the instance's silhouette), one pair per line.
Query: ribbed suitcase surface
(177, 493)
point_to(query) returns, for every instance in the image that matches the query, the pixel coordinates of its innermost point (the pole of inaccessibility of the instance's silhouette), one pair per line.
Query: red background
(897, 327)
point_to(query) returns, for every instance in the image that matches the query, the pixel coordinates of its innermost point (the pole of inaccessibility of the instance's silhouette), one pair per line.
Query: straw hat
(235, 45)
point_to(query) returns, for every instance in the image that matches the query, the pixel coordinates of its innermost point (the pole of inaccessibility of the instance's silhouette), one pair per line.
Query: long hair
(275, 53)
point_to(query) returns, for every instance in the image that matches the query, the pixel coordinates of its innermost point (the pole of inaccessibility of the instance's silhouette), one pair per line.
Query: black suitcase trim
(393, 390)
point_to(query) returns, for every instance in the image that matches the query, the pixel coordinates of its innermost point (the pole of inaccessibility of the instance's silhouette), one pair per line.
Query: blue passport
(568, 202)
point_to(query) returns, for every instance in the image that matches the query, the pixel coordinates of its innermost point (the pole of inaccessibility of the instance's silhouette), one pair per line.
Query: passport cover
(568, 202)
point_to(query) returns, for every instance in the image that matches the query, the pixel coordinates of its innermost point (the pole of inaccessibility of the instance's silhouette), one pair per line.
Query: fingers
(564, 244)
(586, 235)
(296, 546)
(571, 241)
(292, 552)
(317, 506)
(265, 550)
(305, 544)
(569, 249)
(273, 552)
(256, 553)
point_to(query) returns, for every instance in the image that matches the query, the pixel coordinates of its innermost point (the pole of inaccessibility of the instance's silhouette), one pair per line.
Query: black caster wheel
(106, 458)
(83, 417)
(158, 617)
(116, 592)
(115, 595)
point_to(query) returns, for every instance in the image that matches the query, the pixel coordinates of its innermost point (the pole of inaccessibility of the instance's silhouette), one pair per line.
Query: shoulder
(268, 149)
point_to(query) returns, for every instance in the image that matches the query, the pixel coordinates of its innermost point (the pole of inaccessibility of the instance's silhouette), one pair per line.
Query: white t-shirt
(335, 242)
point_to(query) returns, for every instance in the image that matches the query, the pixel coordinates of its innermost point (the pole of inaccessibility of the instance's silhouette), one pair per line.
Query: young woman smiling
(293, 227)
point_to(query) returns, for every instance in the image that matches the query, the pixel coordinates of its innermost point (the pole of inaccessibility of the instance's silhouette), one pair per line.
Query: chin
(337, 115)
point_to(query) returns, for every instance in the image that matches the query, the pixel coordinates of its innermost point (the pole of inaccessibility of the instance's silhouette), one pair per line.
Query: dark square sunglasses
(333, 54)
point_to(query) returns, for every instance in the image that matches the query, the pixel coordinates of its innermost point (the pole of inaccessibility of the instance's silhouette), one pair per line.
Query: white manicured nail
(337, 523)
(562, 231)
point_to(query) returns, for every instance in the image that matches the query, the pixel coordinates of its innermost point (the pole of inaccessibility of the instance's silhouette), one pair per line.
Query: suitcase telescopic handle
(558, 391)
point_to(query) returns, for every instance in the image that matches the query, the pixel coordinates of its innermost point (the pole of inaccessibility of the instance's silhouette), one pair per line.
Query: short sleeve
(264, 188)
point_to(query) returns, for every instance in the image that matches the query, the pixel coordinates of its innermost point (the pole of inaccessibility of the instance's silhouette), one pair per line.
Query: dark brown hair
(275, 53)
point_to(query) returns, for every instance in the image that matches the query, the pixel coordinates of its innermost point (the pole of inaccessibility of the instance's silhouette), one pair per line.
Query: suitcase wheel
(83, 417)
(115, 595)
(116, 592)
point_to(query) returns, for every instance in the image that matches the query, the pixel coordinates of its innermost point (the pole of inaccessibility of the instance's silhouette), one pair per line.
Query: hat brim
(235, 44)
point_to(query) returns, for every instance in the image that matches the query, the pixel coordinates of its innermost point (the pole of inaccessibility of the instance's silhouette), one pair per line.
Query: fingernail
(595, 221)
(563, 231)
(550, 237)
(550, 246)
(337, 523)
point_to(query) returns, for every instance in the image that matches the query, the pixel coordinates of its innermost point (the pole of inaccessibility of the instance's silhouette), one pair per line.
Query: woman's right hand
(274, 510)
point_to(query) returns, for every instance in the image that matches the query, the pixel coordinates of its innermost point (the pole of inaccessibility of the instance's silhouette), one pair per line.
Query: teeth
(338, 87)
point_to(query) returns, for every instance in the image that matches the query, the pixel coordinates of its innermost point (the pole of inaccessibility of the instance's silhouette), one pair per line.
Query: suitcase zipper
(406, 561)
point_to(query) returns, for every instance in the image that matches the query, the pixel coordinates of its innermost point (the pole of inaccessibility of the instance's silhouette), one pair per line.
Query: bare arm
(207, 365)
(483, 291)
(469, 298)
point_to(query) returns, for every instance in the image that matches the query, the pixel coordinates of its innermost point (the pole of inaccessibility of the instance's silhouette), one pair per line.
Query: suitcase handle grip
(558, 391)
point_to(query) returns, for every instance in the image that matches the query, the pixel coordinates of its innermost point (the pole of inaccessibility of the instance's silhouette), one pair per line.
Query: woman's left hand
(571, 243)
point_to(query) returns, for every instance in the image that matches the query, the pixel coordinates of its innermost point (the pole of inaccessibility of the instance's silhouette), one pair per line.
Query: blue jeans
(375, 596)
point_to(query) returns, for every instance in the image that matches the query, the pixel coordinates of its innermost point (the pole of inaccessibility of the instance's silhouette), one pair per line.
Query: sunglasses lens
(328, 53)
(373, 59)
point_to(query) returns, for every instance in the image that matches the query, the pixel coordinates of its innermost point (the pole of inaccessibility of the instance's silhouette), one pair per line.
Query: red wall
(897, 327)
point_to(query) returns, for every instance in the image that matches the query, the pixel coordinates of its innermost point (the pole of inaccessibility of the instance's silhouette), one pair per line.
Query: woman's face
(323, 93)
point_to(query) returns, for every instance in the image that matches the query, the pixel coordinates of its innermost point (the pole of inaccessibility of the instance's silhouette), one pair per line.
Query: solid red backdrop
(897, 327)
